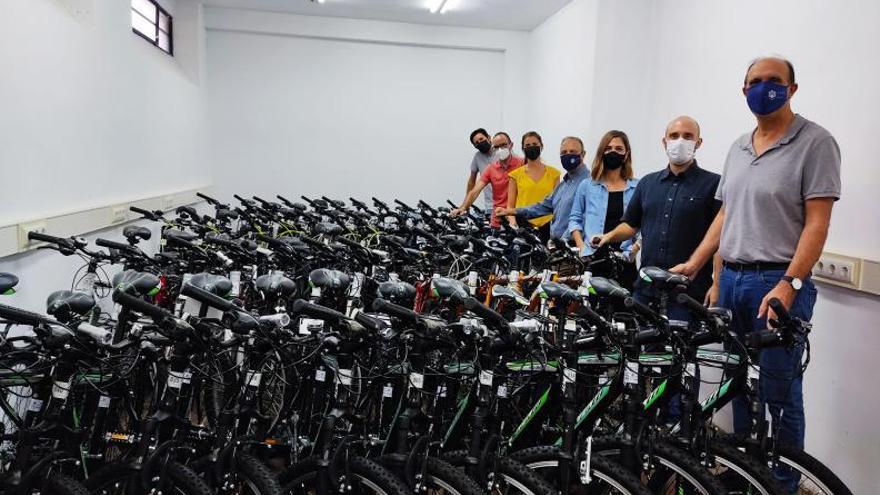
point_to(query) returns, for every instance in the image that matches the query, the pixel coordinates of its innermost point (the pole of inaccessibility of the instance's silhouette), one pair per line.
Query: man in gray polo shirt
(482, 159)
(779, 184)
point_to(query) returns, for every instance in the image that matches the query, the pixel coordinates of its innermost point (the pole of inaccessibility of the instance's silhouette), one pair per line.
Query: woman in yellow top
(532, 183)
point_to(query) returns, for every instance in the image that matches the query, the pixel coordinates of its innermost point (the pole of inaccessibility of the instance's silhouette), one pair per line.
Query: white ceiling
(523, 15)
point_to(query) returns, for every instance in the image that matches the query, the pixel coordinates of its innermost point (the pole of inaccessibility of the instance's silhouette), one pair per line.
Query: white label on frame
(320, 375)
(569, 375)
(754, 372)
(104, 402)
(387, 390)
(630, 376)
(417, 380)
(486, 378)
(253, 378)
(60, 390)
(36, 405)
(343, 376)
(502, 391)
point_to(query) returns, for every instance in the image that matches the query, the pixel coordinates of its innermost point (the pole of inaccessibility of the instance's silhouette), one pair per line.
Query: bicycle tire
(60, 484)
(302, 476)
(679, 462)
(115, 477)
(744, 468)
(256, 476)
(513, 472)
(611, 473)
(815, 471)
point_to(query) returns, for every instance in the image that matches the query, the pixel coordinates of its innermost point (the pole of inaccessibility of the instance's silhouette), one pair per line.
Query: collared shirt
(496, 175)
(478, 165)
(558, 202)
(673, 213)
(590, 207)
(764, 196)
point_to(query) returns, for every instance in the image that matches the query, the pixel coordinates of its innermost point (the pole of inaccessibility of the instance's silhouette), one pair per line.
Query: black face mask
(483, 146)
(613, 160)
(532, 152)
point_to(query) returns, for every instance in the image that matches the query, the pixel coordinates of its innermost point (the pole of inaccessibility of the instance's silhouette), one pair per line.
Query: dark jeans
(674, 311)
(780, 386)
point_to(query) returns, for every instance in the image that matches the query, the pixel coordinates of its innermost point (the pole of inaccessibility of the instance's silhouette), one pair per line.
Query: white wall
(348, 107)
(655, 60)
(92, 113)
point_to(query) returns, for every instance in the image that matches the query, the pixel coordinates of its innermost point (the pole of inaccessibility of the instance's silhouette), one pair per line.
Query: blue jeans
(781, 389)
(674, 311)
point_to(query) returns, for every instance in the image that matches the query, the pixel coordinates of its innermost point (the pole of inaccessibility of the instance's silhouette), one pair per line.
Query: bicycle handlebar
(138, 305)
(208, 298)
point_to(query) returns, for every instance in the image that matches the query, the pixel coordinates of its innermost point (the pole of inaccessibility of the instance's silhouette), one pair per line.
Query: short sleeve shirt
(529, 191)
(478, 165)
(764, 196)
(497, 176)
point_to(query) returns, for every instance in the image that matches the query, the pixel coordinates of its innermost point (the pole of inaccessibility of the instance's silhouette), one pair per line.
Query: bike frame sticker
(706, 404)
(462, 406)
(655, 394)
(530, 416)
(600, 395)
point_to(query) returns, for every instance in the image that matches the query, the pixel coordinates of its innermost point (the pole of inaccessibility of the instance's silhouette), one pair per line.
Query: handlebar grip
(490, 316)
(403, 205)
(693, 305)
(36, 236)
(207, 198)
(301, 306)
(649, 336)
(370, 323)
(763, 338)
(284, 200)
(705, 338)
(377, 202)
(206, 297)
(278, 319)
(112, 244)
(138, 305)
(427, 235)
(782, 314)
(100, 335)
(22, 316)
(640, 308)
(382, 306)
(149, 215)
(312, 242)
(180, 242)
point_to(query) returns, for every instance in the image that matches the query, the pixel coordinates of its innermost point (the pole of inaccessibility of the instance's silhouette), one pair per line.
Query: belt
(757, 266)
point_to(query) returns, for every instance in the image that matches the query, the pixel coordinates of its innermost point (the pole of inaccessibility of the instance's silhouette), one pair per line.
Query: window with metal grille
(153, 23)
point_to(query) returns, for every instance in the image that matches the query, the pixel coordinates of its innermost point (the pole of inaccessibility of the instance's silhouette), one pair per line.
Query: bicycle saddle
(557, 292)
(134, 233)
(449, 288)
(275, 284)
(215, 284)
(329, 279)
(723, 313)
(136, 283)
(607, 288)
(455, 241)
(661, 278)
(397, 292)
(179, 234)
(327, 228)
(7, 282)
(224, 214)
(509, 293)
(64, 304)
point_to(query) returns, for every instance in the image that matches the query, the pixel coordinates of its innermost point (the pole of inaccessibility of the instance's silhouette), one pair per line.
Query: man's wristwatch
(795, 282)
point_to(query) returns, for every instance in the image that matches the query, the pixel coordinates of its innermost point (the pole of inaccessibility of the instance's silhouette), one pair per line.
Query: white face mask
(501, 154)
(680, 151)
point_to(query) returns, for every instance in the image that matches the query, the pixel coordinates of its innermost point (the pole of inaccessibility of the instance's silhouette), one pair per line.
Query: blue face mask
(570, 162)
(766, 97)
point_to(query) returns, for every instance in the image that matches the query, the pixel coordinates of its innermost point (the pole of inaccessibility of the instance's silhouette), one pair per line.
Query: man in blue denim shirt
(779, 184)
(559, 201)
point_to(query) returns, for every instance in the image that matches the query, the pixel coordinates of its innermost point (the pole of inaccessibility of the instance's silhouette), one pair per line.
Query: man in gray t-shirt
(779, 184)
(482, 158)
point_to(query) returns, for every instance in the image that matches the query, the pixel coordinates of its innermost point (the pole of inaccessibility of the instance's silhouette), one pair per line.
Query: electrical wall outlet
(38, 226)
(838, 269)
(119, 214)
